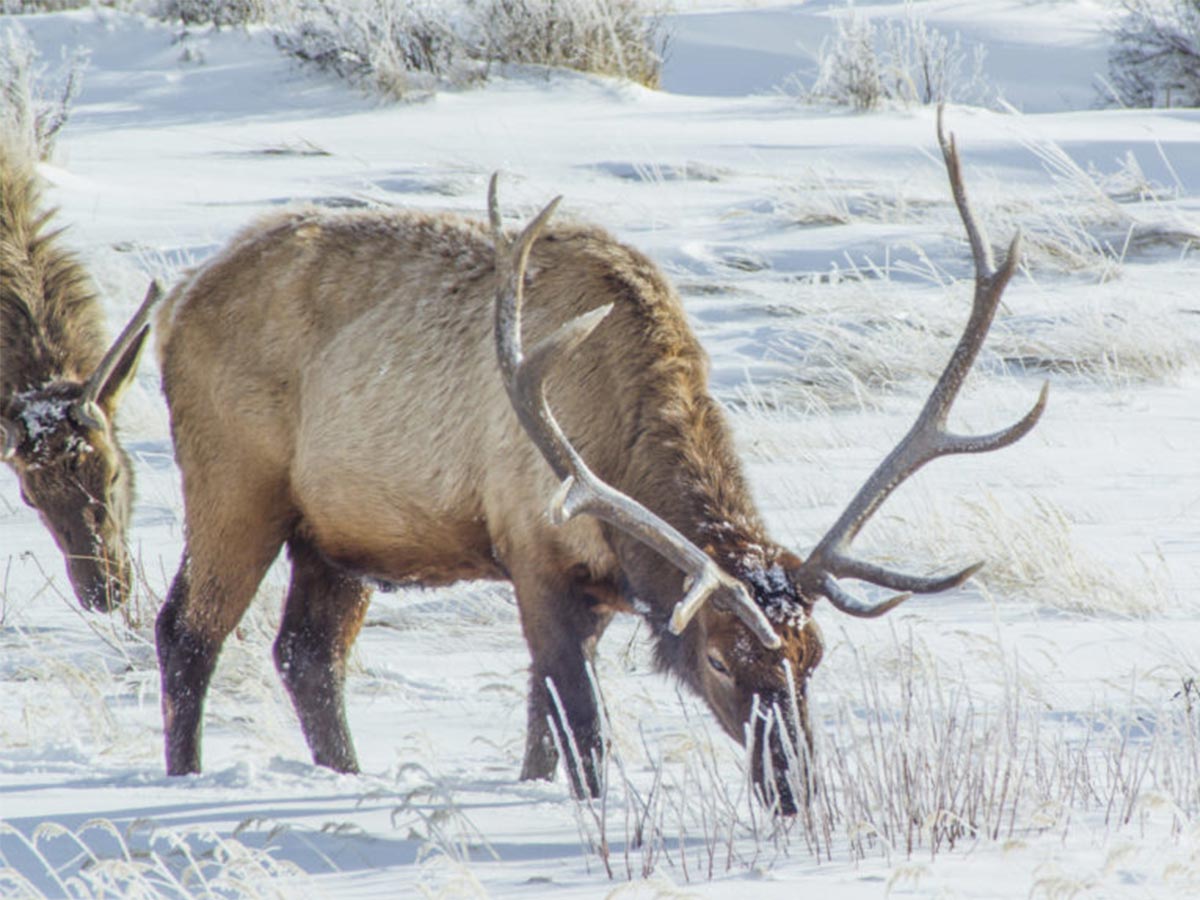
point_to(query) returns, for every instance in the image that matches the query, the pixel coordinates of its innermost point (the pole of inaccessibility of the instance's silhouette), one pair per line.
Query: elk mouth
(100, 584)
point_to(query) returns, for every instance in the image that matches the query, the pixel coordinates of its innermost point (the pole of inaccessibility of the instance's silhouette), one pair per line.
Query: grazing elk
(59, 390)
(334, 386)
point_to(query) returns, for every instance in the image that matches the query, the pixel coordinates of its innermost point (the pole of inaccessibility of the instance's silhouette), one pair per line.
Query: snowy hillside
(825, 270)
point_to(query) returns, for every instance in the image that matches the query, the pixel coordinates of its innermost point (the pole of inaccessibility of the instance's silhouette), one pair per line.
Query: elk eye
(718, 665)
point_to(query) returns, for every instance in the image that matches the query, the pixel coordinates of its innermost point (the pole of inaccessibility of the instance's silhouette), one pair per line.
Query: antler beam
(928, 438)
(582, 491)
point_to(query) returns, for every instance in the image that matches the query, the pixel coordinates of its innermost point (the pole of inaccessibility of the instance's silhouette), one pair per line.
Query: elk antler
(926, 440)
(581, 491)
(87, 411)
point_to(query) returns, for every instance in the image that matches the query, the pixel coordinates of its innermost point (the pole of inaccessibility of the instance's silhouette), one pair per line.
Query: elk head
(59, 438)
(744, 634)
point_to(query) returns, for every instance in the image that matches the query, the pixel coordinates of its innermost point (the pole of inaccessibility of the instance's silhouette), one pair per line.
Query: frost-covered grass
(914, 757)
(99, 859)
(916, 754)
(1033, 554)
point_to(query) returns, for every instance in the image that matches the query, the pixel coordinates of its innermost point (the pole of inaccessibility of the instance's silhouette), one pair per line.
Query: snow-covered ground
(824, 269)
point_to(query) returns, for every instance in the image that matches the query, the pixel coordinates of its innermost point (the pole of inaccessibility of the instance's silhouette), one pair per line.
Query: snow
(825, 271)
(724, 50)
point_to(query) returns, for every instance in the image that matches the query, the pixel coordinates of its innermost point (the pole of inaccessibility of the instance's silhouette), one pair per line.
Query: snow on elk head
(77, 477)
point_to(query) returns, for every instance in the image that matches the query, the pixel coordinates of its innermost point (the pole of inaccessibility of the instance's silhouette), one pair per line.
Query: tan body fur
(333, 385)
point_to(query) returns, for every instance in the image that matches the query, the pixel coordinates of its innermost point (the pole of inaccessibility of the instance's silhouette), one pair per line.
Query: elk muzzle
(100, 572)
(780, 749)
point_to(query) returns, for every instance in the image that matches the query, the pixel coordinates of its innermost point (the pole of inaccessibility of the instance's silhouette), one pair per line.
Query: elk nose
(112, 584)
(111, 597)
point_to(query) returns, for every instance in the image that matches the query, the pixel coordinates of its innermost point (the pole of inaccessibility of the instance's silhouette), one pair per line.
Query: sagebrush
(396, 48)
(19, 7)
(1155, 57)
(218, 13)
(867, 63)
(390, 48)
(624, 38)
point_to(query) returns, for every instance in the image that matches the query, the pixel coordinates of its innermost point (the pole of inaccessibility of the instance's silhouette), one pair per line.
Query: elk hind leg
(321, 618)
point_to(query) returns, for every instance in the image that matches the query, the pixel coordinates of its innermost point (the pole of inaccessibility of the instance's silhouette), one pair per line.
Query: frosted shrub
(866, 63)
(18, 7)
(211, 12)
(396, 46)
(1155, 58)
(34, 104)
(608, 37)
(390, 47)
(928, 67)
(849, 67)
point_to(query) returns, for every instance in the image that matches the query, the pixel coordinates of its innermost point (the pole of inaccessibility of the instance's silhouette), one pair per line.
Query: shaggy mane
(51, 324)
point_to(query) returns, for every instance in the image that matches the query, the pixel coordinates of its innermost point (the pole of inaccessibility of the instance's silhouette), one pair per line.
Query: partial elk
(59, 391)
(354, 386)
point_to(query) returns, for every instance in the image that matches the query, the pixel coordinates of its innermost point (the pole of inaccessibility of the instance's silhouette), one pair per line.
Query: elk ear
(122, 374)
(791, 564)
(10, 439)
(790, 561)
(104, 387)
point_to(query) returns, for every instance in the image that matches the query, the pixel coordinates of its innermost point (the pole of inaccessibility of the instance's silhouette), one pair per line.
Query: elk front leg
(322, 616)
(185, 661)
(190, 629)
(562, 624)
(215, 584)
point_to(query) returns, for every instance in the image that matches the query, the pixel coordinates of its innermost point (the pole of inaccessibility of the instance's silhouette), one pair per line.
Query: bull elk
(59, 390)
(354, 386)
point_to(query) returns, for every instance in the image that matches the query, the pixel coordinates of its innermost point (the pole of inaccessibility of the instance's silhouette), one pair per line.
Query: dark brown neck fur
(51, 325)
(680, 459)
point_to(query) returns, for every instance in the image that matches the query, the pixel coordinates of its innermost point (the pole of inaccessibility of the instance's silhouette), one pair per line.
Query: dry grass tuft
(1032, 552)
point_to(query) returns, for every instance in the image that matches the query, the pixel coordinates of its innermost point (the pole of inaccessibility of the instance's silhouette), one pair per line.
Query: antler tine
(928, 438)
(86, 408)
(846, 602)
(494, 218)
(582, 491)
(980, 249)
